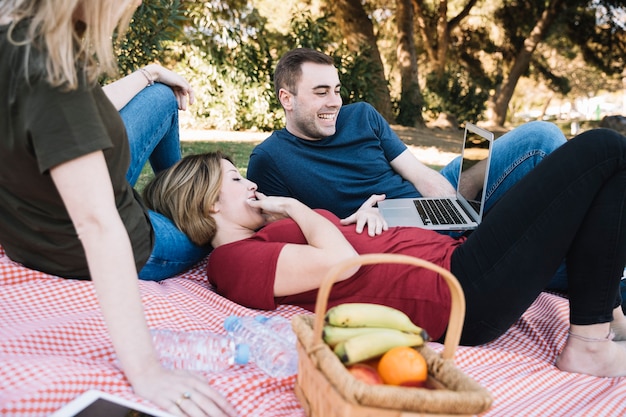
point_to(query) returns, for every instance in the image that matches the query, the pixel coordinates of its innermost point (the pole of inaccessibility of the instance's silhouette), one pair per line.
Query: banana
(332, 335)
(371, 345)
(372, 315)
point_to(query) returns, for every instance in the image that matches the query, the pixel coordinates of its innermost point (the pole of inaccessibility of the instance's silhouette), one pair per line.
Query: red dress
(244, 272)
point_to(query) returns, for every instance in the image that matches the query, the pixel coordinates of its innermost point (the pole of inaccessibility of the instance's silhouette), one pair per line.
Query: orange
(403, 365)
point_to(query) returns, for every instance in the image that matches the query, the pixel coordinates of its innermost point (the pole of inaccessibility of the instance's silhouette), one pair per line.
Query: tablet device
(95, 403)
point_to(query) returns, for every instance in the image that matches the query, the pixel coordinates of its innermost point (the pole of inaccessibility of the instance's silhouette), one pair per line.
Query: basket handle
(457, 310)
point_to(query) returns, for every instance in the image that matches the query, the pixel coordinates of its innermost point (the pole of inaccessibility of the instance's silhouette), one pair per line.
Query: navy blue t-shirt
(337, 173)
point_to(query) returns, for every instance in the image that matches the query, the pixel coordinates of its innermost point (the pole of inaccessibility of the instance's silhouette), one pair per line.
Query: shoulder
(359, 113)
(360, 107)
(271, 142)
(261, 154)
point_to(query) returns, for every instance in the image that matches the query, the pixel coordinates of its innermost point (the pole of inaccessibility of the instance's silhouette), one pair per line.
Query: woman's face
(234, 195)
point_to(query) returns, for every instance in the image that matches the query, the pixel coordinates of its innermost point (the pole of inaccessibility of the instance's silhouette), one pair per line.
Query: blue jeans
(515, 154)
(151, 120)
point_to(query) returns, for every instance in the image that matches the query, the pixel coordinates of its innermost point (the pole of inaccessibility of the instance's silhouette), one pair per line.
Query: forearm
(319, 231)
(326, 247)
(122, 91)
(431, 183)
(112, 268)
(427, 181)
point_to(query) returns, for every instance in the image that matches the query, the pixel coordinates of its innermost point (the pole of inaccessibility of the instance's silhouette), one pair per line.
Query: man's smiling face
(312, 110)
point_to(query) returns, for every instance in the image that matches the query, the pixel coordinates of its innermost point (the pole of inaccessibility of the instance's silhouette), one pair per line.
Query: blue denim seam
(147, 148)
(512, 167)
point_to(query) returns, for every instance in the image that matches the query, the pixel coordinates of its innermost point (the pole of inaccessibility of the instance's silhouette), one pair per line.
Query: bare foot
(598, 358)
(618, 325)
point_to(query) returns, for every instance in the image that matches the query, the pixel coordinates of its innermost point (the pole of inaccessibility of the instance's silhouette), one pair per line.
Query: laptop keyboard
(438, 211)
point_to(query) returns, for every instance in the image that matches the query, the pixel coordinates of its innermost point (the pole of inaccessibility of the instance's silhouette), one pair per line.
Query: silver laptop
(461, 212)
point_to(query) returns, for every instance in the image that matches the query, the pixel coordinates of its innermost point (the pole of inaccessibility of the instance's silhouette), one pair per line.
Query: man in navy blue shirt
(347, 159)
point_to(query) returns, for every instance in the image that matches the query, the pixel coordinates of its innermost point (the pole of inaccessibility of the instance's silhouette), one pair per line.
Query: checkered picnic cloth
(54, 346)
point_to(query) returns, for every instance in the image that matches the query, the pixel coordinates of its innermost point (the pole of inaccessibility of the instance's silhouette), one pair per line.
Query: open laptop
(461, 212)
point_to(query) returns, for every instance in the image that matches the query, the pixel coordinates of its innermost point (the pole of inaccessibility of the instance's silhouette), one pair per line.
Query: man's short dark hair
(289, 68)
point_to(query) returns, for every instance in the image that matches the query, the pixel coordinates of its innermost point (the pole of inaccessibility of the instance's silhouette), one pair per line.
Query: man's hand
(370, 215)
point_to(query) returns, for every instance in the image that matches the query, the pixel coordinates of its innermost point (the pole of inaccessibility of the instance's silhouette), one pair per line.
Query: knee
(164, 95)
(543, 136)
(602, 133)
(159, 98)
(614, 141)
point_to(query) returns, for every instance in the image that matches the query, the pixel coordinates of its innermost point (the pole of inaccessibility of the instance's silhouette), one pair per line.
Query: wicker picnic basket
(325, 388)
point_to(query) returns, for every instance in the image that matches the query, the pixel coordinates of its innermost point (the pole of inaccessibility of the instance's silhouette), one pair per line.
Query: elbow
(95, 226)
(347, 256)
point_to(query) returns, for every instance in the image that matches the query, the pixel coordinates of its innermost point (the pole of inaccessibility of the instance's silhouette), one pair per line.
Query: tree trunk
(498, 104)
(436, 35)
(410, 107)
(357, 30)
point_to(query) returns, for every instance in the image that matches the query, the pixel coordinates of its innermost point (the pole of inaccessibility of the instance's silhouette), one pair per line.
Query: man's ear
(285, 98)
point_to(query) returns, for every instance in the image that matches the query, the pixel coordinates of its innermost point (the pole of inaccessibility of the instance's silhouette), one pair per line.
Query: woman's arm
(302, 267)
(120, 92)
(87, 193)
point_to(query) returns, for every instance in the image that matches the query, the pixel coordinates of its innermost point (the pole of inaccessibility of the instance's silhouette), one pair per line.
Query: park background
(426, 65)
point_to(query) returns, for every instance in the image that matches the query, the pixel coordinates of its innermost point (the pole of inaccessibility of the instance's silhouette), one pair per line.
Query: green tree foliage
(455, 93)
(225, 50)
(355, 69)
(591, 26)
(598, 28)
(235, 74)
(155, 24)
(228, 59)
(517, 19)
(228, 51)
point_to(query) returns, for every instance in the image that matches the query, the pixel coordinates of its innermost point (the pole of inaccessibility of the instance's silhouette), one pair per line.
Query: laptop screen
(474, 164)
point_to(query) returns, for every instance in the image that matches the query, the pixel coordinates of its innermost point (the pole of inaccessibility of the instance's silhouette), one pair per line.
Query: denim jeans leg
(514, 155)
(173, 252)
(151, 120)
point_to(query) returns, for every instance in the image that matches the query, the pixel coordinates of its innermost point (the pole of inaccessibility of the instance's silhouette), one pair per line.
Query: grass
(238, 151)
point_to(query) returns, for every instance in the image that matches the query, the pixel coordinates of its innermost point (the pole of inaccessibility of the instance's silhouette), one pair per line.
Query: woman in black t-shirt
(66, 206)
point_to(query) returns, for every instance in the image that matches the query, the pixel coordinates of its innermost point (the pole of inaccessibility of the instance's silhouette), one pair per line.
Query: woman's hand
(122, 91)
(273, 208)
(368, 215)
(182, 393)
(182, 90)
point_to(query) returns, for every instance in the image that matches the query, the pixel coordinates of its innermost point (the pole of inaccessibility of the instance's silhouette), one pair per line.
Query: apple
(365, 373)
(427, 384)
(414, 384)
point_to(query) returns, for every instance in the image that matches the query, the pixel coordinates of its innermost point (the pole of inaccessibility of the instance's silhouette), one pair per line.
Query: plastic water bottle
(198, 351)
(270, 353)
(280, 326)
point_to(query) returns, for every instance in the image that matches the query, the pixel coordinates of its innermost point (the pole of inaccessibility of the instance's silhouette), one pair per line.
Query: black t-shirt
(41, 127)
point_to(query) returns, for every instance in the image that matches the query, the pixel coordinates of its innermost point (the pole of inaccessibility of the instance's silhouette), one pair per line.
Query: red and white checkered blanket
(54, 346)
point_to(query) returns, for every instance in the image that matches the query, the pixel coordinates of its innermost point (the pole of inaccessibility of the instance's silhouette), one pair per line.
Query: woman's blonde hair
(187, 192)
(73, 49)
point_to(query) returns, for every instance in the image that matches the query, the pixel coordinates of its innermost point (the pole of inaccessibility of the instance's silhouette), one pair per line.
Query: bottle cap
(242, 354)
(230, 322)
(261, 318)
